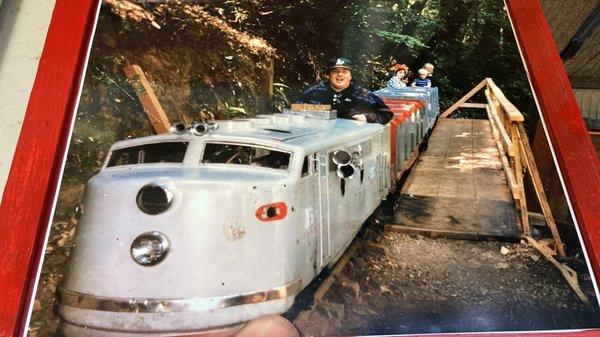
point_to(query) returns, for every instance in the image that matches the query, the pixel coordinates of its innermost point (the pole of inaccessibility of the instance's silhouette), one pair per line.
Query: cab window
(238, 154)
(167, 152)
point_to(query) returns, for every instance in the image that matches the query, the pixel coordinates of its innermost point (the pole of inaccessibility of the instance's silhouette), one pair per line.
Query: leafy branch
(410, 41)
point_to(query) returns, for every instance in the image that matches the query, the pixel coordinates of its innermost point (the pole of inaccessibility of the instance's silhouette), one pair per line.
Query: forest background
(208, 59)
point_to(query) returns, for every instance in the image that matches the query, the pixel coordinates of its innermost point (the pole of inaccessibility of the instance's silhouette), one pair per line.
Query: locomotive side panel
(308, 228)
(352, 200)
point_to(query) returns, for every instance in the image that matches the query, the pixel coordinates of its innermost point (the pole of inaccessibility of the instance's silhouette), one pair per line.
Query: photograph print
(347, 167)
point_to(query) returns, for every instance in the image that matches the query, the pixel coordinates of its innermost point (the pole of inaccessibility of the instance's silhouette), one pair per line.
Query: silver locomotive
(212, 225)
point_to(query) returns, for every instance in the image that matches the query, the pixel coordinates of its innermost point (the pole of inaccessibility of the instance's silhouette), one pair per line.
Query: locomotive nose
(170, 256)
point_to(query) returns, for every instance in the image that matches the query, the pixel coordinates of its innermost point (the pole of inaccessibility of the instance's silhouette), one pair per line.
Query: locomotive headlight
(341, 157)
(154, 199)
(150, 248)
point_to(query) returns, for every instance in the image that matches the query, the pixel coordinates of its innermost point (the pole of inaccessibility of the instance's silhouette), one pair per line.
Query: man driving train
(346, 97)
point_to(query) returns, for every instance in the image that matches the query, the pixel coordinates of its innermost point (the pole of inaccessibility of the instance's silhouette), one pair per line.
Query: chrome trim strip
(74, 329)
(148, 305)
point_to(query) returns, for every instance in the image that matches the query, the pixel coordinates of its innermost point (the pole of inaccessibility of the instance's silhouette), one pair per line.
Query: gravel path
(399, 283)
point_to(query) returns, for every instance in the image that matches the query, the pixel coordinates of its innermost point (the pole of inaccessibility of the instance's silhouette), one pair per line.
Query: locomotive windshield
(168, 152)
(217, 153)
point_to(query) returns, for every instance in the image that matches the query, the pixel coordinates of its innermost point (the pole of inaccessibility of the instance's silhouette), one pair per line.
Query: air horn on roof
(197, 129)
(178, 128)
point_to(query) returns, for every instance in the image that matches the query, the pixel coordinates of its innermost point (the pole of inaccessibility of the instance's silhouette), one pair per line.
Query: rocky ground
(60, 242)
(398, 283)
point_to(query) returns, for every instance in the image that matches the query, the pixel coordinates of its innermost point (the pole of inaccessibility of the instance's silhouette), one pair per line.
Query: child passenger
(429, 67)
(400, 79)
(422, 80)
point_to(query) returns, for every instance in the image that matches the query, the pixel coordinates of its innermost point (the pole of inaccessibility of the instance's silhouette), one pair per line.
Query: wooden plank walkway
(457, 188)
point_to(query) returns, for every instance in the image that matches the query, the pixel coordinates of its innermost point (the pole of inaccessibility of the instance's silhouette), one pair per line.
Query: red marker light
(271, 212)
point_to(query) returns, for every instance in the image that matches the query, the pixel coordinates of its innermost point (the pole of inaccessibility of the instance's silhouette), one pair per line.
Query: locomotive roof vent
(281, 119)
(258, 122)
(298, 118)
(313, 111)
(236, 124)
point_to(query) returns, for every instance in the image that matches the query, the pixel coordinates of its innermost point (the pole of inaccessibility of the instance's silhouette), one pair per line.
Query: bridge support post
(519, 176)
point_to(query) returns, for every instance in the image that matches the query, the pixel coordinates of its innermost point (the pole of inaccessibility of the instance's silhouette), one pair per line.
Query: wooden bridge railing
(515, 153)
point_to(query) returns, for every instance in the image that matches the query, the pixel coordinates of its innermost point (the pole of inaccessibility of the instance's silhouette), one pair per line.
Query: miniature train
(212, 225)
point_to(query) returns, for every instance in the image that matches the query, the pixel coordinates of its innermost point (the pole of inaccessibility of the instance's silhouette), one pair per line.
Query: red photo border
(33, 178)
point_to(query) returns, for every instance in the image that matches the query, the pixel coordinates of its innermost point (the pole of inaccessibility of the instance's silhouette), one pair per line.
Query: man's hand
(360, 118)
(269, 326)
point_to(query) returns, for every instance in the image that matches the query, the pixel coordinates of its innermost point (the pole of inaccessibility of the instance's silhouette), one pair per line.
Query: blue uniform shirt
(351, 101)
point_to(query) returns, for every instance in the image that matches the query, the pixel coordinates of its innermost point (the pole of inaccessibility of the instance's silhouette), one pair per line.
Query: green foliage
(280, 98)
(233, 112)
(198, 73)
(467, 40)
(407, 40)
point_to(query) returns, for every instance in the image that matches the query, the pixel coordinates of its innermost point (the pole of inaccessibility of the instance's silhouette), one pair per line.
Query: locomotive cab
(204, 229)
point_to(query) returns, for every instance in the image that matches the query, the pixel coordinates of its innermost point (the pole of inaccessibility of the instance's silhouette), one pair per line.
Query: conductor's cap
(340, 62)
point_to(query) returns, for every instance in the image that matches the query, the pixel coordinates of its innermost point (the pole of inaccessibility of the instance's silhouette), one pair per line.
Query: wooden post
(464, 99)
(512, 113)
(144, 91)
(266, 82)
(515, 189)
(519, 177)
(539, 190)
(494, 118)
(569, 274)
(473, 105)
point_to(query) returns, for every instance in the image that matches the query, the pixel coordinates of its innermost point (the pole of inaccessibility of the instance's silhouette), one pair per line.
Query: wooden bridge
(469, 183)
(457, 187)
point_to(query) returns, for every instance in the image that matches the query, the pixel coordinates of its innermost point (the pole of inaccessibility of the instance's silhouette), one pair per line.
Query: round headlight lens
(150, 248)
(341, 157)
(154, 199)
